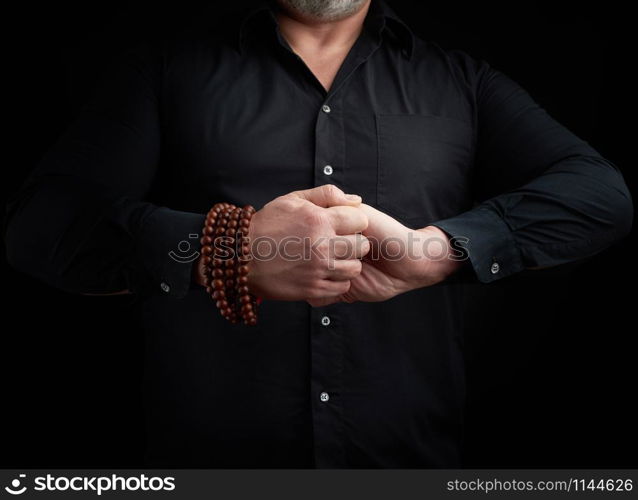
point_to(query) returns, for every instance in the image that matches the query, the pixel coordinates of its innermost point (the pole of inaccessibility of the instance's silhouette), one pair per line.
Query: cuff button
(165, 288)
(495, 268)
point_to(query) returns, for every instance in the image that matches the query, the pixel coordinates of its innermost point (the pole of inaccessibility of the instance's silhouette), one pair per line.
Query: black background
(551, 360)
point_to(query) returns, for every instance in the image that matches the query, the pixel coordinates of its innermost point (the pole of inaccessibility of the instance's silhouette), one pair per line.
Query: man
(298, 97)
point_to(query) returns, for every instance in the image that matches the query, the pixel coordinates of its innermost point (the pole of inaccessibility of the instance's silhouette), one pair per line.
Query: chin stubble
(324, 10)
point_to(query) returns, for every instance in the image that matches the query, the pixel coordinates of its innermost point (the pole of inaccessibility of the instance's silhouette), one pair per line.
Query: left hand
(401, 259)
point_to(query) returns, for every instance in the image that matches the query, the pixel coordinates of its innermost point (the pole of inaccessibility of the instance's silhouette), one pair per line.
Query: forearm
(574, 209)
(79, 237)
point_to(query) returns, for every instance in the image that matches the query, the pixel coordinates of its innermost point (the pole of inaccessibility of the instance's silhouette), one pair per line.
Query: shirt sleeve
(544, 196)
(81, 222)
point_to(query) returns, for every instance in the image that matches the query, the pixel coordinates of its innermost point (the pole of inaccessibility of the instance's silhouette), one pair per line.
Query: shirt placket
(325, 342)
(328, 323)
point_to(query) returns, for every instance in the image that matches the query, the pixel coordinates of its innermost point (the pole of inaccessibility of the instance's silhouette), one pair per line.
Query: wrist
(198, 271)
(438, 260)
(225, 254)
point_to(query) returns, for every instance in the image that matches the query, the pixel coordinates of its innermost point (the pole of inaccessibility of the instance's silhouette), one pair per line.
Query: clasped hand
(325, 246)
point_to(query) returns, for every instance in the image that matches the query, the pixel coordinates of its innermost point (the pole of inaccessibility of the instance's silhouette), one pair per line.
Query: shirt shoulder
(466, 70)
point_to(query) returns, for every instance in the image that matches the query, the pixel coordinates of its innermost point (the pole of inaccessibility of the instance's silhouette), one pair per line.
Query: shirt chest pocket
(424, 164)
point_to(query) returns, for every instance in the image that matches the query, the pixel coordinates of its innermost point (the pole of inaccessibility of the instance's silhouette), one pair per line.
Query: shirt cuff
(168, 245)
(486, 240)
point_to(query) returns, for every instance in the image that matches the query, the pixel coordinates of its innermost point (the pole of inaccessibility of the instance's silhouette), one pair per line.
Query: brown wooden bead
(226, 269)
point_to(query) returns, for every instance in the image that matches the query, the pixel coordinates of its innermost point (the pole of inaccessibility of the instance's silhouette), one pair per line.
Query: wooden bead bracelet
(226, 253)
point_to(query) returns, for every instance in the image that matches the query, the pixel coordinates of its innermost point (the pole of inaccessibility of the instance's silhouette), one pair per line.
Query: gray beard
(324, 10)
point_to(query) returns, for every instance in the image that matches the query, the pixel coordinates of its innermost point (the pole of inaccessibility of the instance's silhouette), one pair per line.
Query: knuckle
(323, 247)
(344, 287)
(286, 202)
(330, 191)
(364, 220)
(318, 263)
(341, 248)
(357, 266)
(316, 289)
(365, 245)
(315, 220)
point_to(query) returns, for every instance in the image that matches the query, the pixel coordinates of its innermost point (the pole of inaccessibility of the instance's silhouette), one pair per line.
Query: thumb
(328, 195)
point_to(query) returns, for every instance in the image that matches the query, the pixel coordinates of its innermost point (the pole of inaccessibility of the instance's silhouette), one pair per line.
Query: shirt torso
(361, 385)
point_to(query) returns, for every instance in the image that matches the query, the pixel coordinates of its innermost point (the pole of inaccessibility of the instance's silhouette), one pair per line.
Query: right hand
(323, 218)
(304, 245)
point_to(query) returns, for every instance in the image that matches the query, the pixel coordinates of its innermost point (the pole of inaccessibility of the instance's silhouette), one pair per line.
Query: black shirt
(427, 135)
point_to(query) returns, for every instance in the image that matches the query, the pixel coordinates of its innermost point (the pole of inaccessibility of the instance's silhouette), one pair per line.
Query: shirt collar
(380, 18)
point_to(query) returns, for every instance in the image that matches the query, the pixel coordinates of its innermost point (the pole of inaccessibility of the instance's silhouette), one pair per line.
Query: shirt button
(325, 321)
(165, 288)
(325, 108)
(495, 268)
(324, 396)
(327, 170)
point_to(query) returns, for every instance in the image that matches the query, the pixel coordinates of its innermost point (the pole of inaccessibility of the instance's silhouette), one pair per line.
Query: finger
(347, 220)
(340, 270)
(329, 288)
(328, 195)
(380, 225)
(326, 301)
(349, 246)
(347, 298)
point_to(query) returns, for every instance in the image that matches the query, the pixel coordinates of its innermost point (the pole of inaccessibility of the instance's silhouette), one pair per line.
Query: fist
(306, 244)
